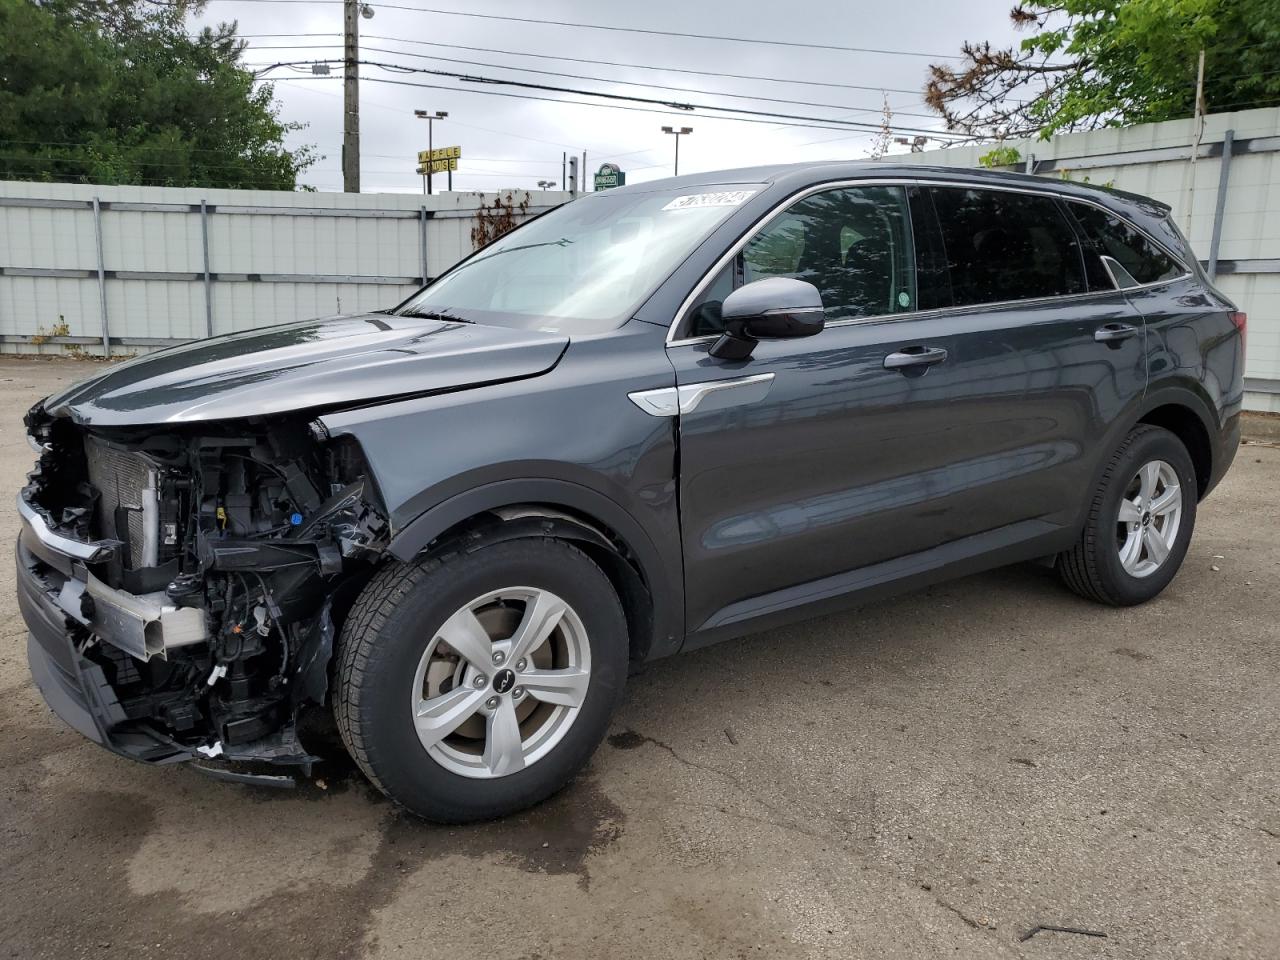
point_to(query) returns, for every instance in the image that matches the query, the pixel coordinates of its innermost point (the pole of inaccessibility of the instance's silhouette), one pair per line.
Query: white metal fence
(145, 266)
(129, 268)
(1226, 200)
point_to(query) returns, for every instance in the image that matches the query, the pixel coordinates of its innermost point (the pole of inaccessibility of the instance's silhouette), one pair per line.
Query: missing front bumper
(142, 625)
(78, 690)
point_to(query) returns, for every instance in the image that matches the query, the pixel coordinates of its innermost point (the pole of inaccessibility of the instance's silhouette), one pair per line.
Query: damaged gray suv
(654, 418)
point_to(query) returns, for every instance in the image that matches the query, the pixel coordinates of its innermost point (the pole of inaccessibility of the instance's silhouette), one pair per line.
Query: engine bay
(209, 603)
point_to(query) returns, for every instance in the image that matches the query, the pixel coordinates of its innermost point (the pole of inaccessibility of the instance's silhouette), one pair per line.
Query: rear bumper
(1226, 443)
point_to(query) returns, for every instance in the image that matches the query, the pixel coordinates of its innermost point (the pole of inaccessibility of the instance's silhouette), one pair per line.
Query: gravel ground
(933, 776)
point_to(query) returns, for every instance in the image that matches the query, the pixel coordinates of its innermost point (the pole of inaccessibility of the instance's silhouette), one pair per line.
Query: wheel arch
(1188, 417)
(607, 533)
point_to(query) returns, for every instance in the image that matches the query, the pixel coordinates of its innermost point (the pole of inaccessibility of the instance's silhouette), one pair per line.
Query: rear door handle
(909, 357)
(1113, 333)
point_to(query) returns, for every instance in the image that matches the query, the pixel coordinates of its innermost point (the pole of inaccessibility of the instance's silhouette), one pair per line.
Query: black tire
(1092, 568)
(386, 634)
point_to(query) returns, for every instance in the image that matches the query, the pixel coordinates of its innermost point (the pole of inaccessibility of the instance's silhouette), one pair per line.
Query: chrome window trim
(1111, 265)
(774, 212)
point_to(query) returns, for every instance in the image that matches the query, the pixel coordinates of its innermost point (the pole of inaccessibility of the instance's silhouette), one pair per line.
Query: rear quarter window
(1140, 259)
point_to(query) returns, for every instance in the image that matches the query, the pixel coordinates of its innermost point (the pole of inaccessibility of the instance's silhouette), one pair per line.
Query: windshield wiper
(443, 314)
(562, 242)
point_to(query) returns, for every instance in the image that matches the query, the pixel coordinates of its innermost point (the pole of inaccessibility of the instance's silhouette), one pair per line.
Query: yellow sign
(439, 166)
(438, 154)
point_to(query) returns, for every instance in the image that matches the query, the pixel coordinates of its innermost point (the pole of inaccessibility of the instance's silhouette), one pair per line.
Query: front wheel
(1140, 522)
(474, 686)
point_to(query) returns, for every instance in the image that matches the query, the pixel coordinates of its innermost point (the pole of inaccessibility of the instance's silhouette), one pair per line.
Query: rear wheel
(1140, 522)
(475, 686)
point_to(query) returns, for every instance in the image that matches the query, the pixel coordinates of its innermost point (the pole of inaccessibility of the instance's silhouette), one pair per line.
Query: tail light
(1241, 320)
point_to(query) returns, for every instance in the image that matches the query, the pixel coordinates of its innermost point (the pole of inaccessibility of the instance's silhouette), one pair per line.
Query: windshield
(584, 267)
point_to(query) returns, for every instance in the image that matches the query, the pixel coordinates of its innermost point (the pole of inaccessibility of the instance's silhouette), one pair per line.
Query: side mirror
(768, 309)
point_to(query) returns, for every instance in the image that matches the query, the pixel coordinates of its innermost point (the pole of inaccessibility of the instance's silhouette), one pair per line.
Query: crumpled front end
(179, 583)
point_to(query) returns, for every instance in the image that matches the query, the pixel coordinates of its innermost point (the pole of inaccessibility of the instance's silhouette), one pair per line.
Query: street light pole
(678, 134)
(431, 118)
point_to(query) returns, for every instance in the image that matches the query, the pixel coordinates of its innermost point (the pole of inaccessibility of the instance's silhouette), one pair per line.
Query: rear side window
(1138, 258)
(1001, 245)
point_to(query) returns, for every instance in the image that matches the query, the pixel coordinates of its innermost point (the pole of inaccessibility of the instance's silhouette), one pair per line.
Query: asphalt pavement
(939, 775)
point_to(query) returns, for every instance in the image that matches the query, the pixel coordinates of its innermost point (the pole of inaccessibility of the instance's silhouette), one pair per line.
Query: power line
(600, 63)
(629, 83)
(868, 128)
(679, 109)
(452, 122)
(642, 30)
(649, 110)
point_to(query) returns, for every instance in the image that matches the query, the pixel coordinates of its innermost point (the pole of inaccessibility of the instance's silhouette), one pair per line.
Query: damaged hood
(317, 363)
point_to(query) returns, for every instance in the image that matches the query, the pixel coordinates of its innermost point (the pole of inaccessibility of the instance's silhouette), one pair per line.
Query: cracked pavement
(935, 775)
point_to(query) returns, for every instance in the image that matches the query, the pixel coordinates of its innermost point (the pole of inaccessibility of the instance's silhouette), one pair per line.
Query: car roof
(800, 175)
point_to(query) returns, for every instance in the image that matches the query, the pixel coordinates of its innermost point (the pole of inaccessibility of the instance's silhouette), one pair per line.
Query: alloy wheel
(501, 682)
(1148, 520)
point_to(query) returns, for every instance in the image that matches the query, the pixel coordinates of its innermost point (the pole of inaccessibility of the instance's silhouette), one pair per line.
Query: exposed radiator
(127, 482)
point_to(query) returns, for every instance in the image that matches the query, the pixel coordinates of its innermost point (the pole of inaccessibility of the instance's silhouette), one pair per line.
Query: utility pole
(683, 131)
(351, 96)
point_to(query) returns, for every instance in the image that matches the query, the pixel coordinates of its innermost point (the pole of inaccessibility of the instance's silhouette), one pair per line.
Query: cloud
(510, 141)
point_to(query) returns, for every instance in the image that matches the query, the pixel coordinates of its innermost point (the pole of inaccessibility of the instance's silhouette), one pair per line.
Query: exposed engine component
(206, 601)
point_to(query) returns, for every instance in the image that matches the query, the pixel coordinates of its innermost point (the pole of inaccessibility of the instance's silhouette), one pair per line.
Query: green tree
(1093, 63)
(104, 91)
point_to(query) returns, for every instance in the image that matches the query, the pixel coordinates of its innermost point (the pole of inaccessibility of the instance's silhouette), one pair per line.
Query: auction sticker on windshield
(725, 198)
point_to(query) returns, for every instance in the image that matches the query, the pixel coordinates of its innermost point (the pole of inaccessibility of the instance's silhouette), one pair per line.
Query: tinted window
(933, 279)
(1139, 259)
(1002, 246)
(854, 245)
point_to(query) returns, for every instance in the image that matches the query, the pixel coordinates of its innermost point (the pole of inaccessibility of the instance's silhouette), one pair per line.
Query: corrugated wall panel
(170, 242)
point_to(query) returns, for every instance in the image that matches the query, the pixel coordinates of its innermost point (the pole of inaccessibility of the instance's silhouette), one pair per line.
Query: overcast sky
(514, 142)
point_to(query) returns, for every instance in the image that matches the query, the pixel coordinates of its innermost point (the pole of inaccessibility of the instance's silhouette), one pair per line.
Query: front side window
(1133, 258)
(584, 267)
(853, 244)
(1003, 246)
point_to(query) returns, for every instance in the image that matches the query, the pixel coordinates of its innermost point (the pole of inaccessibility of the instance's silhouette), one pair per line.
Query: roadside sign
(438, 154)
(610, 175)
(438, 166)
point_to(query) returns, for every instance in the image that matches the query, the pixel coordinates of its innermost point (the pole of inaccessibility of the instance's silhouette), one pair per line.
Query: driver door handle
(909, 357)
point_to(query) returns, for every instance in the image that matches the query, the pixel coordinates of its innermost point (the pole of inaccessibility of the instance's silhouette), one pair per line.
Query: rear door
(1055, 347)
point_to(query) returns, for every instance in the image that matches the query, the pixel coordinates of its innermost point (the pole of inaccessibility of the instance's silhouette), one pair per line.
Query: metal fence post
(208, 281)
(422, 241)
(102, 277)
(1224, 173)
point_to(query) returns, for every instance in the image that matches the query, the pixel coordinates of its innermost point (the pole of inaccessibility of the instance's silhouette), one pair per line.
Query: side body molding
(712, 395)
